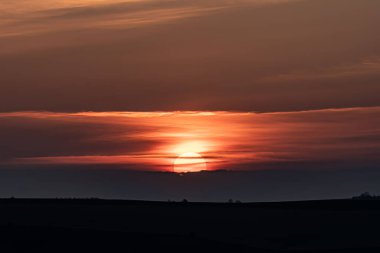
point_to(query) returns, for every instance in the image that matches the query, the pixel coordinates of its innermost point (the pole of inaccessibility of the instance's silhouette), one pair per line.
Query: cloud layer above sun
(335, 138)
(169, 55)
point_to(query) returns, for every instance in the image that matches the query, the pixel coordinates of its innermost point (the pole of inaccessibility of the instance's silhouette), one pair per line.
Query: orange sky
(226, 140)
(286, 91)
(244, 55)
(168, 77)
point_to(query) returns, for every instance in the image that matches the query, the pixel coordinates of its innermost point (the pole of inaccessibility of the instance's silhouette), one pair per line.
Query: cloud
(227, 140)
(44, 17)
(191, 55)
(29, 136)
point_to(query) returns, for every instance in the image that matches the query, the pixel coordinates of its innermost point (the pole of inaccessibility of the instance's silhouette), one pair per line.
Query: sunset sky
(226, 140)
(155, 86)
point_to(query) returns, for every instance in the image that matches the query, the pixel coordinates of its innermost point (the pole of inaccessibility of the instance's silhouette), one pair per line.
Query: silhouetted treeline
(366, 196)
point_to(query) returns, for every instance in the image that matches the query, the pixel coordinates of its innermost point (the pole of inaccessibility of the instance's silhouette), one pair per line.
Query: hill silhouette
(63, 225)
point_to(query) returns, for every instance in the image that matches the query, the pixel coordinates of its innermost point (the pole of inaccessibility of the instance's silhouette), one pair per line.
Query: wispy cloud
(189, 55)
(33, 17)
(362, 68)
(227, 140)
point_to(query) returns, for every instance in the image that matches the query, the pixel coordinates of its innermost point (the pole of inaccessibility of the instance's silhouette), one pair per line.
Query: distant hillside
(60, 225)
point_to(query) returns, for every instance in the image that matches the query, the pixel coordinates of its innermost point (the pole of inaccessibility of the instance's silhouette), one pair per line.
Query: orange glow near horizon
(189, 158)
(189, 162)
(190, 141)
(191, 146)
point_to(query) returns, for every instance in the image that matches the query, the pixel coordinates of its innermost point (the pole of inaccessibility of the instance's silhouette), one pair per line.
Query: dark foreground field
(37, 225)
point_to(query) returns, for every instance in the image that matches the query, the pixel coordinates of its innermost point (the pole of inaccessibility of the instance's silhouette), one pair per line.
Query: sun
(190, 147)
(189, 162)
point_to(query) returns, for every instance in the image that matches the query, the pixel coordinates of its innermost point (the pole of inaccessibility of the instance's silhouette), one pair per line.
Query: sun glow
(189, 162)
(188, 157)
(190, 147)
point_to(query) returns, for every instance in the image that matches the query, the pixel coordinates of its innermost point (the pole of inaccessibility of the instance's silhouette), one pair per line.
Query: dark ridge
(65, 225)
(354, 203)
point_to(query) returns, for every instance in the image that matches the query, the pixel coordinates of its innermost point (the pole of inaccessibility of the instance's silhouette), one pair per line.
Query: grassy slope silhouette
(62, 225)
